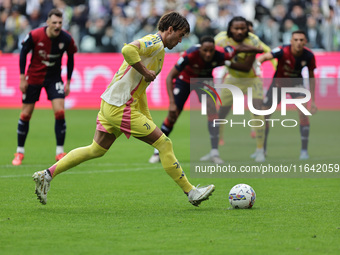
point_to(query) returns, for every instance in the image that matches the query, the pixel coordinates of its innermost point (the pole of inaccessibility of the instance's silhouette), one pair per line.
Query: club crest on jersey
(303, 63)
(61, 45)
(148, 44)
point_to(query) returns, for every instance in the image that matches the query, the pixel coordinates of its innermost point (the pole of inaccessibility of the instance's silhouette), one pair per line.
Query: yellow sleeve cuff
(130, 53)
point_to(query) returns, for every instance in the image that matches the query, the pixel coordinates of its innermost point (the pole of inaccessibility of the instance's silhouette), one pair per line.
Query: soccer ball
(242, 196)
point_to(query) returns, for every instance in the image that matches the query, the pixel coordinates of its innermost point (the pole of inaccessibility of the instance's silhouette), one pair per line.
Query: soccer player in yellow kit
(266, 49)
(242, 73)
(124, 110)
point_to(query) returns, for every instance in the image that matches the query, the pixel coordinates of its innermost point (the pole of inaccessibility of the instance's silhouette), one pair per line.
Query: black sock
(22, 131)
(304, 131)
(60, 131)
(266, 137)
(214, 134)
(166, 129)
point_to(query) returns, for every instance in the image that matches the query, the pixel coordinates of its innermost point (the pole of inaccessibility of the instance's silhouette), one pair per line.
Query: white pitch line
(80, 172)
(91, 172)
(88, 164)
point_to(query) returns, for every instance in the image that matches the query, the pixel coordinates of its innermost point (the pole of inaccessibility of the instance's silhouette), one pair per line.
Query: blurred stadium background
(105, 25)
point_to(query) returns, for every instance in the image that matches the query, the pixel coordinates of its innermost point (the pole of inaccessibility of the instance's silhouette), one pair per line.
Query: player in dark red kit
(47, 45)
(197, 62)
(291, 60)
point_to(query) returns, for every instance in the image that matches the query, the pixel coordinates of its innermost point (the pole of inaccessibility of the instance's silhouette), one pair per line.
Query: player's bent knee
(163, 144)
(96, 150)
(59, 115)
(166, 153)
(304, 120)
(25, 117)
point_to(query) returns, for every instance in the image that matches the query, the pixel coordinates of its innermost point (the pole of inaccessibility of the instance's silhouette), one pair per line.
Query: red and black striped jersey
(46, 54)
(192, 65)
(290, 66)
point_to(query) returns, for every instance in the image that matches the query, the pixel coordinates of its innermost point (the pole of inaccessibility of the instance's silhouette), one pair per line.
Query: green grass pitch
(120, 204)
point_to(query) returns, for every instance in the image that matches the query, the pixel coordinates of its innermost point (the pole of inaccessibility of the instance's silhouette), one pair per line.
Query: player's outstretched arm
(248, 48)
(265, 57)
(132, 57)
(246, 66)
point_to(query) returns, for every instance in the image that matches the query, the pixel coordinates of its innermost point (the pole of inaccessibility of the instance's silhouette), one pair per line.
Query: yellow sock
(77, 156)
(260, 131)
(170, 163)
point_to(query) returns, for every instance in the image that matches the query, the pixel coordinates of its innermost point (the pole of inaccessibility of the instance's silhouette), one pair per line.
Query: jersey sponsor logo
(47, 63)
(53, 55)
(42, 54)
(148, 44)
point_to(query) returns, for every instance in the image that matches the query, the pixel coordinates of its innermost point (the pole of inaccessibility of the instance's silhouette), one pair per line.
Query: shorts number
(59, 86)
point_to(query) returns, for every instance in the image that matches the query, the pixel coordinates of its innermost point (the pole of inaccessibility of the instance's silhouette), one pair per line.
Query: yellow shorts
(125, 119)
(243, 84)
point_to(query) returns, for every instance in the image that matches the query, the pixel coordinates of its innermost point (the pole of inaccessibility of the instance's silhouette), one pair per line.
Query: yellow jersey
(221, 39)
(129, 83)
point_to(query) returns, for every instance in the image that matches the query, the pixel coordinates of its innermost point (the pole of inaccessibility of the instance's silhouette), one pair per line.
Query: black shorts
(54, 89)
(182, 91)
(268, 99)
